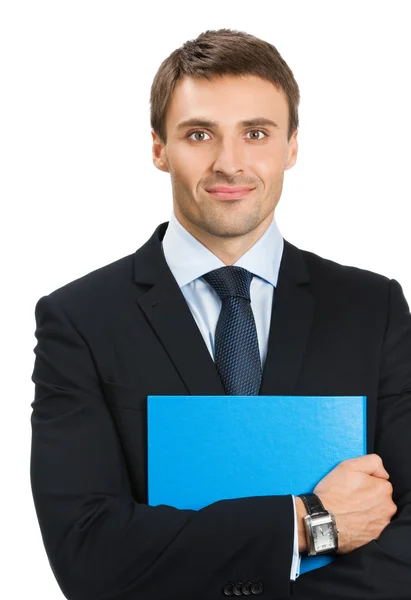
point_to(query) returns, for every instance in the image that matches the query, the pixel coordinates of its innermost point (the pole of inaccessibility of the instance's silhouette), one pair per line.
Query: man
(218, 302)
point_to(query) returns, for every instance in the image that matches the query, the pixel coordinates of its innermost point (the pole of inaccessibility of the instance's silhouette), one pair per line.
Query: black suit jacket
(111, 338)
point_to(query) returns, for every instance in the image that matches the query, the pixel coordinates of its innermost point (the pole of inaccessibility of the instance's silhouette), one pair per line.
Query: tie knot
(230, 281)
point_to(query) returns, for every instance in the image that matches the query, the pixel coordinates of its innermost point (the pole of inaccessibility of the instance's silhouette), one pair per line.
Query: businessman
(217, 302)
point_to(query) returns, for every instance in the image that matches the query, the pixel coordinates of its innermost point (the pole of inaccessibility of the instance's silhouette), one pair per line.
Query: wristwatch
(320, 527)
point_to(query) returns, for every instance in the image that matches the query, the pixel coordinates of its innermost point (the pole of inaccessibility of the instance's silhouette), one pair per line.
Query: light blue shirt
(189, 260)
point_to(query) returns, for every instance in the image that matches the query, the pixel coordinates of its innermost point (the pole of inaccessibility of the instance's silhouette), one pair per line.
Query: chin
(229, 227)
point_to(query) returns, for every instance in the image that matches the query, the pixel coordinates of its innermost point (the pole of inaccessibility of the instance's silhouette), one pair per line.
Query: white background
(79, 189)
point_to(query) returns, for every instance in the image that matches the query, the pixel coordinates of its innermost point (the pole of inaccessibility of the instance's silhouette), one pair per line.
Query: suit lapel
(291, 319)
(166, 309)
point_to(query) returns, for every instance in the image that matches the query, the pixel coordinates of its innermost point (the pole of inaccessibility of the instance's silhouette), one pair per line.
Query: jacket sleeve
(101, 543)
(381, 569)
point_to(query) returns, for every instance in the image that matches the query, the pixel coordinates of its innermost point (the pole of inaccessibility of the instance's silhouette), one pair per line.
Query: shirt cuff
(295, 563)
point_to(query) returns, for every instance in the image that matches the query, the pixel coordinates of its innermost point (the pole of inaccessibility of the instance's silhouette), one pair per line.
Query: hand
(359, 495)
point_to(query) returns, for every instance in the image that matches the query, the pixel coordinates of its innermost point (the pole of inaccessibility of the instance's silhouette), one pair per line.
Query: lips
(229, 193)
(229, 190)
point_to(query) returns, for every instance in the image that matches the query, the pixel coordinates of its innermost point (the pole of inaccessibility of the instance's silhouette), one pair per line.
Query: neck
(228, 250)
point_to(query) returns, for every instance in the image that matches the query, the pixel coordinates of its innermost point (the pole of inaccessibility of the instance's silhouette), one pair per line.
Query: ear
(292, 151)
(159, 153)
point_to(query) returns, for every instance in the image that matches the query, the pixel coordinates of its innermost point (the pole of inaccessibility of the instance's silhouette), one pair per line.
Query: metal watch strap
(313, 504)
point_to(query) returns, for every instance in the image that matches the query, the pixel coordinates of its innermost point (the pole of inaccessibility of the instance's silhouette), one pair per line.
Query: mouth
(230, 193)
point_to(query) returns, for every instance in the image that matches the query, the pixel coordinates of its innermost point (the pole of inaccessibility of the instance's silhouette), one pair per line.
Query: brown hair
(217, 53)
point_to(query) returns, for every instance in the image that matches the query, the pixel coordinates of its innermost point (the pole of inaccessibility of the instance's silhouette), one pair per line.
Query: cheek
(187, 168)
(267, 161)
(184, 177)
(268, 172)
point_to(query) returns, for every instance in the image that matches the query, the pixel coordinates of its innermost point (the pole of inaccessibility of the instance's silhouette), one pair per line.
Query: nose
(229, 159)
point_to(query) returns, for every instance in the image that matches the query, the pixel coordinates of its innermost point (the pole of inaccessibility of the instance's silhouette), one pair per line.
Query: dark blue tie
(237, 356)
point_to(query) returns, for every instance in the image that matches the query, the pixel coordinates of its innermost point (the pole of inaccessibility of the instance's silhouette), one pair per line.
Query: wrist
(320, 526)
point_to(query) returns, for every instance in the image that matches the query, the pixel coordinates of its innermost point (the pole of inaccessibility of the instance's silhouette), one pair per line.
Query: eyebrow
(201, 122)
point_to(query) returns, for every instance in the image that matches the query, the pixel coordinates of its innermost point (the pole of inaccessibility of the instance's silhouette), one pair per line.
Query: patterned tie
(237, 356)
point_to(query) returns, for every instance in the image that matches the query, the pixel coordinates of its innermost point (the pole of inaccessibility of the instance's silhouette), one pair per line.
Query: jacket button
(228, 589)
(246, 589)
(238, 588)
(257, 588)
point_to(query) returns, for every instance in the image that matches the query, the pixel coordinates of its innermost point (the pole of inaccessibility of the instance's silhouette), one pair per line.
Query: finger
(370, 464)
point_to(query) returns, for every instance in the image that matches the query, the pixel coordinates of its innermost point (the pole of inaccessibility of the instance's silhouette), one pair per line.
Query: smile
(231, 195)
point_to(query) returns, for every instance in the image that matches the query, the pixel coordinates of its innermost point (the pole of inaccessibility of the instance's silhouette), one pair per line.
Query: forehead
(227, 99)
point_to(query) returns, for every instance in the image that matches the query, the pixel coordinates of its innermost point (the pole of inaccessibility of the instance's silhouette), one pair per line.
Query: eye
(194, 133)
(200, 132)
(257, 131)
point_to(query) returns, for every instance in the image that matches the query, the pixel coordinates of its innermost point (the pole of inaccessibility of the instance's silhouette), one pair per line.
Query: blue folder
(202, 449)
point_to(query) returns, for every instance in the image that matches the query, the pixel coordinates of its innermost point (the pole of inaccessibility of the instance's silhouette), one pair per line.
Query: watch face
(323, 535)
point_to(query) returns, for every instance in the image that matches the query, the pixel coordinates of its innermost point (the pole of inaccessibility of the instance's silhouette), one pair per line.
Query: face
(218, 149)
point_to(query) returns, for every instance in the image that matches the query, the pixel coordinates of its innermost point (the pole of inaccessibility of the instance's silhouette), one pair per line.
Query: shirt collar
(189, 259)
